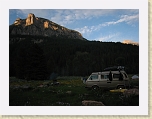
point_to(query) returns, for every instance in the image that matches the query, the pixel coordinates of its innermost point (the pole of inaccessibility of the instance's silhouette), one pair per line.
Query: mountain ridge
(38, 26)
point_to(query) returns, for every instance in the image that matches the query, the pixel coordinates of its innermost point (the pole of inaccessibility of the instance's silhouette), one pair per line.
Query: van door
(105, 82)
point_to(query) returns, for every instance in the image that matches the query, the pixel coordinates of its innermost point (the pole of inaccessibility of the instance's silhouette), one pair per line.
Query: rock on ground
(130, 92)
(92, 103)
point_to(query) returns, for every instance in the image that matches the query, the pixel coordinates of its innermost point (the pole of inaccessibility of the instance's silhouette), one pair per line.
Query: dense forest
(37, 57)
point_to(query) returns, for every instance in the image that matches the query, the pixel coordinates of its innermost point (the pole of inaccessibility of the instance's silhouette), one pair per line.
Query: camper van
(108, 79)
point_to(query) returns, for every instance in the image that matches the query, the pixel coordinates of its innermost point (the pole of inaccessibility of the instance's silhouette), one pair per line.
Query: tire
(121, 86)
(95, 87)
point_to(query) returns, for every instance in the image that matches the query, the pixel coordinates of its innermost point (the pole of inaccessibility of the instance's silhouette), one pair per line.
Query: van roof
(115, 68)
(106, 72)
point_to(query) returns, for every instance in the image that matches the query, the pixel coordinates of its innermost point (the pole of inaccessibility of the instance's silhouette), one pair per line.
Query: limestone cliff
(40, 26)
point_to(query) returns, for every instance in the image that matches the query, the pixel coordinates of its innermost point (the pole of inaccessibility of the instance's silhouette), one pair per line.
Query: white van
(107, 79)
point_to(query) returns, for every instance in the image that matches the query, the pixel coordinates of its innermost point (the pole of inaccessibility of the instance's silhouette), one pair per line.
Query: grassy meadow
(70, 92)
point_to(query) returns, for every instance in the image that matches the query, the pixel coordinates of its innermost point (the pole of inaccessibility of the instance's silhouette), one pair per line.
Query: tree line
(37, 57)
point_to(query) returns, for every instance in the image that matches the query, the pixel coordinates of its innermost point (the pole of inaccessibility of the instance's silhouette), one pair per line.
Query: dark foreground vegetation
(36, 57)
(69, 92)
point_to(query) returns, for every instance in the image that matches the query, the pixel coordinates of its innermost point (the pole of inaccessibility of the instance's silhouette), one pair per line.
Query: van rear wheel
(120, 86)
(95, 87)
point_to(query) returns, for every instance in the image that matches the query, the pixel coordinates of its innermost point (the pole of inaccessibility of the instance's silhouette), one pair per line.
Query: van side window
(104, 76)
(116, 75)
(94, 77)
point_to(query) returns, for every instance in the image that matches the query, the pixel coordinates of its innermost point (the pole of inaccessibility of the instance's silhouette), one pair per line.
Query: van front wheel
(95, 87)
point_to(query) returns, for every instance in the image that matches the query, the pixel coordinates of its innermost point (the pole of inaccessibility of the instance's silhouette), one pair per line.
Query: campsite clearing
(69, 92)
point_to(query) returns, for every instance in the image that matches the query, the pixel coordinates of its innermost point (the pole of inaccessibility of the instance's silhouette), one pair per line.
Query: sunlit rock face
(33, 25)
(130, 42)
(30, 19)
(18, 21)
(46, 24)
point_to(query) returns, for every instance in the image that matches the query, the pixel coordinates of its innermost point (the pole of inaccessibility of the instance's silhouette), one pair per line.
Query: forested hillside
(35, 57)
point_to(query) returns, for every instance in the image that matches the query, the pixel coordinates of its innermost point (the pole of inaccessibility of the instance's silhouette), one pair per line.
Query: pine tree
(36, 64)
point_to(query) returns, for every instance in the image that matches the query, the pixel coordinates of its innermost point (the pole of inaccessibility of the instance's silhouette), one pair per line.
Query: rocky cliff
(39, 26)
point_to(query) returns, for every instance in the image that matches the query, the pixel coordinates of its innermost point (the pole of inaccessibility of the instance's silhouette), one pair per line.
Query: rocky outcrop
(18, 21)
(30, 19)
(46, 24)
(39, 26)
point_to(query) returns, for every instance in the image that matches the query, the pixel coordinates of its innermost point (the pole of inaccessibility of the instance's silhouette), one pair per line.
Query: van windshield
(94, 77)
